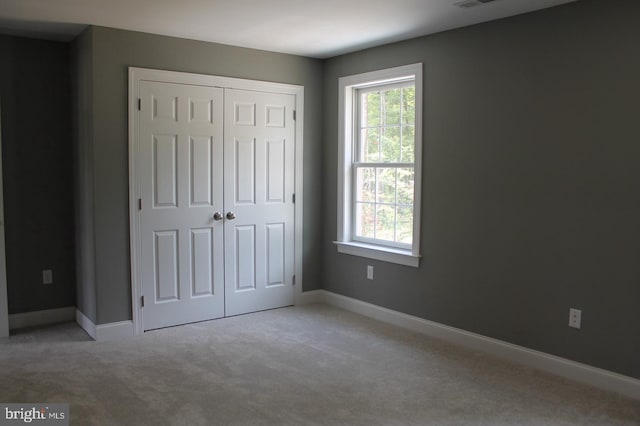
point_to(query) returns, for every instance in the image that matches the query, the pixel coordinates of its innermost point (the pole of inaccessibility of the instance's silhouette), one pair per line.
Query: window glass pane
(408, 144)
(390, 145)
(405, 186)
(370, 149)
(386, 183)
(385, 222)
(370, 113)
(366, 184)
(409, 105)
(365, 220)
(404, 224)
(392, 105)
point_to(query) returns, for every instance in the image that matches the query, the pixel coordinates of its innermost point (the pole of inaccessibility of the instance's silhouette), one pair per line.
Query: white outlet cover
(369, 272)
(47, 276)
(575, 318)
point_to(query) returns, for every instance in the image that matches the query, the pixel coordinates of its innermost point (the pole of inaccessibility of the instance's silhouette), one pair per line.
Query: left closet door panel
(181, 186)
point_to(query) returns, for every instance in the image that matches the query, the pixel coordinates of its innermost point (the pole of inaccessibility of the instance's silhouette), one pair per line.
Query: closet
(213, 188)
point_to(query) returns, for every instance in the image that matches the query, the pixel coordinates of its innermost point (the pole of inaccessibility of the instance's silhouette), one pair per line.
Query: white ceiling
(315, 28)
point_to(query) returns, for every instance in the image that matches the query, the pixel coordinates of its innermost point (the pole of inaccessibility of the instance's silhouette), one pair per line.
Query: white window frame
(346, 151)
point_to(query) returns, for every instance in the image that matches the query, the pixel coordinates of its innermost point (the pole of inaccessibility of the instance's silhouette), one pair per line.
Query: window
(379, 172)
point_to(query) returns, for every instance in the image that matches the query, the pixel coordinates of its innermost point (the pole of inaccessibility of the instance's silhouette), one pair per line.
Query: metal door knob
(231, 215)
(217, 216)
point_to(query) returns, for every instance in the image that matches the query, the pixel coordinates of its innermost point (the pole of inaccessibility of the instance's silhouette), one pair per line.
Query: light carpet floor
(310, 365)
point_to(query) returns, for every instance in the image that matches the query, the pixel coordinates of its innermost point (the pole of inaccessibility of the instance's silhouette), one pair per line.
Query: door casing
(136, 75)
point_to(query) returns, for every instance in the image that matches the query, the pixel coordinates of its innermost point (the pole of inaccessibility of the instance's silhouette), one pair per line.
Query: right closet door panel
(259, 151)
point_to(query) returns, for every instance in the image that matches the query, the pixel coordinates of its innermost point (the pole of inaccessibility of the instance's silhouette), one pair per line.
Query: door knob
(231, 215)
(217, 216)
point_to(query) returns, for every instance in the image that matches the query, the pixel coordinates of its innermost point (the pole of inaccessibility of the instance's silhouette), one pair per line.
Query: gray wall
(37, 168)
(531, 182)
(82, 119)
(112, 51)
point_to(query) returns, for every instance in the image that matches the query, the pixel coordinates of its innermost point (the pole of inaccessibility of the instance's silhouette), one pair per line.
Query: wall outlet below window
(369, 272)
(47, 276)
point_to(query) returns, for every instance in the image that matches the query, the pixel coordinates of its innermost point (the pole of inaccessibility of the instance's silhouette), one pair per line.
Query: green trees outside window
(384, 163)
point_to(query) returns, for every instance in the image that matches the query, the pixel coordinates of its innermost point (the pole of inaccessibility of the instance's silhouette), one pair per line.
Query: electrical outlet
(47, 276)
(369, 272)
(575, 318)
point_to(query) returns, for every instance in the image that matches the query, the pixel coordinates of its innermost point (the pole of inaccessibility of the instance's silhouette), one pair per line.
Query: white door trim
(138, 74)
(4, 309)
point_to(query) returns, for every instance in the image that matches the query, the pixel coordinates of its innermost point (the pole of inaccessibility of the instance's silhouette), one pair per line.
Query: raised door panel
(275, 236)
(166, 266)
(244, 181)
(165, 171)
(201, 168)
(275, 173)
(202, 254)
(245, 258)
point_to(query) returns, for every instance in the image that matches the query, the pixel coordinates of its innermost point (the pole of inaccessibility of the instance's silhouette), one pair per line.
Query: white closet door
(180, 154)
(259, 144)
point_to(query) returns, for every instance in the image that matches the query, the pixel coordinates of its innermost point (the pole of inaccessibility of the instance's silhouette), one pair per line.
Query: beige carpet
(307, 365)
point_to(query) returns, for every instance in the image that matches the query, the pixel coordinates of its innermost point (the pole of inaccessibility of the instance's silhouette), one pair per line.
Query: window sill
(386, 254)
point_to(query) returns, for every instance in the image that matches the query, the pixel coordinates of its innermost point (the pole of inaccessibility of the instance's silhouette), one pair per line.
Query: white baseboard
(573, 370)
(114, 330)
(104, 332)
(308, 297)
(44, 317)
(86, 324)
